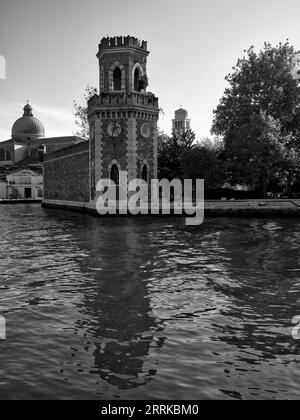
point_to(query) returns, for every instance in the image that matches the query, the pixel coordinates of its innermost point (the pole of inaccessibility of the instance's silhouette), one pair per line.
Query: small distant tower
(296, 66)
(181, 123)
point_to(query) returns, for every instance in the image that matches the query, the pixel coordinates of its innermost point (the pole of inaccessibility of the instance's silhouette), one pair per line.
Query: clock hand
(113, 130)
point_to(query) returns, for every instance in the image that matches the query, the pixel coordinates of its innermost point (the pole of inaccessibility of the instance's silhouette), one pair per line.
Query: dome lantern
(28, 110)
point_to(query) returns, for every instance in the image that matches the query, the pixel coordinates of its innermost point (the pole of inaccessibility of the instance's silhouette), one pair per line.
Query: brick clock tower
(123, 117)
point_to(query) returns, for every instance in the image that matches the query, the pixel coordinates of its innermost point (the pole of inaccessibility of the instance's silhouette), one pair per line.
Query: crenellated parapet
(106, 100)
(122, 42)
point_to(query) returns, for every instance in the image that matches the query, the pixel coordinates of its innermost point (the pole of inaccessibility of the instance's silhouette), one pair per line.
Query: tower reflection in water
(116, 306)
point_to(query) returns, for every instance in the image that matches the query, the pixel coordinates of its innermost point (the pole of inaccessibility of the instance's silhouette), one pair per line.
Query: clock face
(114, 129)
(146, 130)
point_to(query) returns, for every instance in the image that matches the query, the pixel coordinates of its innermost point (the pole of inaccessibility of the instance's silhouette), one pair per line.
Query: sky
(49, 48)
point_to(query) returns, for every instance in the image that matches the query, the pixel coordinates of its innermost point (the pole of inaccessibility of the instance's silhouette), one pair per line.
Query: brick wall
(66, 174)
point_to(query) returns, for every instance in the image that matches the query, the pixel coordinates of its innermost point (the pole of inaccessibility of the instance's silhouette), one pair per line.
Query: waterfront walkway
(19, 201)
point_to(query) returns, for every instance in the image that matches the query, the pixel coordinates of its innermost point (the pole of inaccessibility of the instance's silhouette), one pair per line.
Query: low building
(24, 184)
(27, 138)
(24, 151)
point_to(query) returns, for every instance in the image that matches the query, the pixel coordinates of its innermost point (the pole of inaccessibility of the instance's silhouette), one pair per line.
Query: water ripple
(147, 308)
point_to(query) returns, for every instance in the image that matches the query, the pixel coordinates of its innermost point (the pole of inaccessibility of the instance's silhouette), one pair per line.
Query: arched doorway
(145, 173)
(115, 177)
(114, 174)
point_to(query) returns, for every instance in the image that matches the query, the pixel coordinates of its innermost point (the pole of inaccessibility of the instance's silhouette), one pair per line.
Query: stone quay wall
(239, 208)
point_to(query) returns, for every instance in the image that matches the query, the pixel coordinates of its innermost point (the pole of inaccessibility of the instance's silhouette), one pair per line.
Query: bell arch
(145, 171)
(116, 77)
(114, 170)
(137, 74)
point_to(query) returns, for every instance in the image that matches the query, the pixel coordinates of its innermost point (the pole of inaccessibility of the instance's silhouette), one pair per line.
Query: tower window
(117, 79)
(136, 80)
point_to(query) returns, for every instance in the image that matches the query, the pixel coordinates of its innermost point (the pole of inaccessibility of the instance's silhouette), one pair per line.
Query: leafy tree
(80, 112)
(259, 117)
(162, 138)
(171, 152)
(257, 152)
(260, 82)
(202, 162)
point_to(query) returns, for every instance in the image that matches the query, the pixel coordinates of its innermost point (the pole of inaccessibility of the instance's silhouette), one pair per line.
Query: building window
(117, 79)
(136, 80)
(21, 180)
(34, 152)
(8, 155)
(5, 154)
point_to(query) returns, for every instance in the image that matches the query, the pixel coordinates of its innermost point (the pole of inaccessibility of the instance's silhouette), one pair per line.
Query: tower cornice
(146, 102)
(119, 44)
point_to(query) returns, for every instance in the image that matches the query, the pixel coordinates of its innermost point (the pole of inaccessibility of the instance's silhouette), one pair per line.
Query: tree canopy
(259, 117)
(203, 162)
(171, 152)
(256, 151)
(260, 82)
(182, 157)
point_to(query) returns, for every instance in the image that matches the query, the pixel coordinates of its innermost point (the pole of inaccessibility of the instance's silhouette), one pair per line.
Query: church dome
(28, 127)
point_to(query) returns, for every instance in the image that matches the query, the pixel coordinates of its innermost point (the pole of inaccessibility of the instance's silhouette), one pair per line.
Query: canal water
(147, 308)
